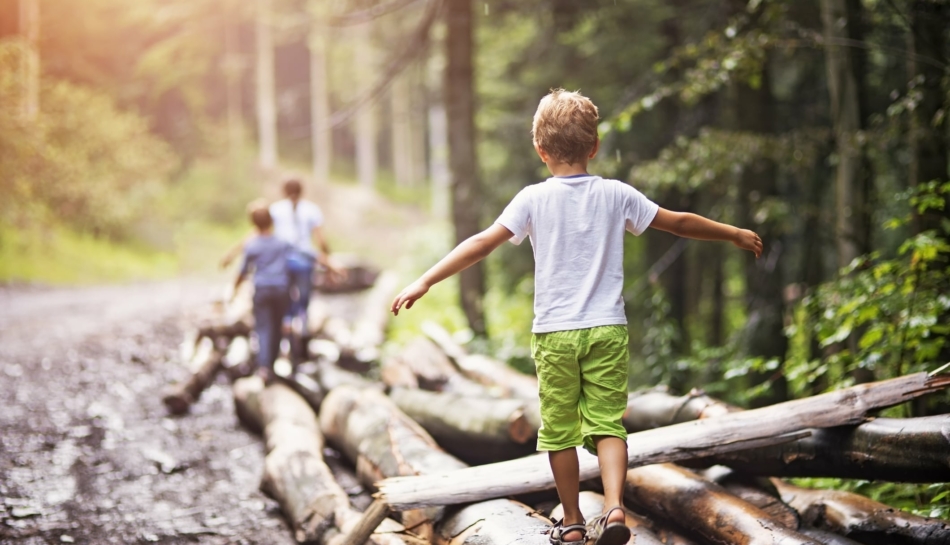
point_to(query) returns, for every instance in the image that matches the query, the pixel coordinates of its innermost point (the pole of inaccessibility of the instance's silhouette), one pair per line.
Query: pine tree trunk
(459, 94)
(320, 136)
(846, 117)
(401, 126)
(232, 67)
(266, 87)
(366, 159)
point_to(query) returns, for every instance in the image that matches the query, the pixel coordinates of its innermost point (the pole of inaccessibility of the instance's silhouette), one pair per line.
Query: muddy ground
(88, 453)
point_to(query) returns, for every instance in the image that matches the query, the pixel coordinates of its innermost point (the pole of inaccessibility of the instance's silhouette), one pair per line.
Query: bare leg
(564, 465)
(612, 457)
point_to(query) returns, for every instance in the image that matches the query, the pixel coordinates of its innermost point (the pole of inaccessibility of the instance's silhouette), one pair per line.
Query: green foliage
(926, 500)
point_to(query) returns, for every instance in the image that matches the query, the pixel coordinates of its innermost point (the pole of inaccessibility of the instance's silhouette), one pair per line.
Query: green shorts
(583, 385)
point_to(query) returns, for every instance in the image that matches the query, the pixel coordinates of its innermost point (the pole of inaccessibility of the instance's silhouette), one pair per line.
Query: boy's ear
(594, 151)
(541, 153)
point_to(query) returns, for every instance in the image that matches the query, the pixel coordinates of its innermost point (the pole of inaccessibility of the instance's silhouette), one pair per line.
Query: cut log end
(520, 429)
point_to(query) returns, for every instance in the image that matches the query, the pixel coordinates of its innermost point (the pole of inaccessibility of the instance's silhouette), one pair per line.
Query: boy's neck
(563, 170)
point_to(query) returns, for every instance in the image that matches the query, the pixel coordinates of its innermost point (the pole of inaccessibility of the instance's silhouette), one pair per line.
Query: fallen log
(383, 442)
(330, 376)
(901, 450)
(887, 449)
(704, 508)
(358, 277)
(369, 328)
(656, 408)
(861, 518)
(592, 505)
(482, 369)
(495, 522)
(179, 397)
(476, 430)
(394, 373)
(434, 371)
(294, 471)
(237, 360)
(755, 490)
(726, 433)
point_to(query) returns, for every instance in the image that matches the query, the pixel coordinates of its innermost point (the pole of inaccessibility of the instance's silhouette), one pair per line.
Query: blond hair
(565, 126)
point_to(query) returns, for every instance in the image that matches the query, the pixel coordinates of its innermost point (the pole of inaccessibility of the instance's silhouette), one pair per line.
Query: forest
(138, 131)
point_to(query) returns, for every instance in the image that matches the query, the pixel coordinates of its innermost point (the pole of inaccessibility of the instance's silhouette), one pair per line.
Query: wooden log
(655, 408)
(434, 371)
(476, 430)
(359, 276)
(903, 450)
(396, 374)
(888, 449)
(383, 442)
(369, 328)
(704, 508)
(330, 376)
(294, 471)
(482, 369)
(758, 491)
(726, 433)
(495, 522)
(863, 519)
(371, 519)
(237, 359)
(592, 505)
(178, 398)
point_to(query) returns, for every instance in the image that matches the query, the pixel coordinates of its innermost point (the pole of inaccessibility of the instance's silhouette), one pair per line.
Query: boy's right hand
(748, 240)
(409, 295)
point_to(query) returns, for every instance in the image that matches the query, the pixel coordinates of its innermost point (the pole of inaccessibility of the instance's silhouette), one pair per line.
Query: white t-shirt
(576, 226)
(295, 226)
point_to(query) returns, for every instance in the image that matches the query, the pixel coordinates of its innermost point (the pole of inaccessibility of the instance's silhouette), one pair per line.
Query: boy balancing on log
(576, 223)
(267, 256)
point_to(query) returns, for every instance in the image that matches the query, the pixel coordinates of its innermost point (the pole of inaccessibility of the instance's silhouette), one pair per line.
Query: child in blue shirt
(266, 255)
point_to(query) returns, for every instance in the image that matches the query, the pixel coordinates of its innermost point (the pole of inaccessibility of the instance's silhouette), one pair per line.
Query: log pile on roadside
(445, 440)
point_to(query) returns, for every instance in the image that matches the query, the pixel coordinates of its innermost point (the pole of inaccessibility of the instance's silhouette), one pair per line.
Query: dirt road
(87, 451)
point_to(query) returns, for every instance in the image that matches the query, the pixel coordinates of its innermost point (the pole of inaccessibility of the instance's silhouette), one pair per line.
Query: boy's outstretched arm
(470, 251)
(688, 225)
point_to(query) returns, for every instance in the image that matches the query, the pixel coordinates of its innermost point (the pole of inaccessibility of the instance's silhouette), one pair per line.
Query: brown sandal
(609, 533)
(558, 531)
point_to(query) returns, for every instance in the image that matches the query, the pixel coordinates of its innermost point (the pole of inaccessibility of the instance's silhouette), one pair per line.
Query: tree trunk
(727, 433)
(30, 32)
(846, 116)
(496, 522)
(459, 94)
(439, 176)
(477, 430)
(204, 366)
(383, 442)
(876, 450)
(266, 88)
(862, 519)
(320, 142)
(592, 506)
(705, 508)
(366, 160)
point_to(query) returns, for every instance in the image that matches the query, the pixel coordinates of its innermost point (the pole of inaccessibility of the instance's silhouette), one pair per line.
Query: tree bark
(496, 522)
(459, 95)
(366, 159)
(727, 433)
(179, 397)
(266, 88)
(887, 449)
(383, 442)
(477, 430)
(496, 375)
(433, 370)
(863, 519)
(705, 508)
(846, 115)
(320, 142)
(294, 471)
(30, 67)
(656, 408)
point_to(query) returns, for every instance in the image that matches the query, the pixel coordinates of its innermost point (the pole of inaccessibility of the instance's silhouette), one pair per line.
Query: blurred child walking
(576, 223)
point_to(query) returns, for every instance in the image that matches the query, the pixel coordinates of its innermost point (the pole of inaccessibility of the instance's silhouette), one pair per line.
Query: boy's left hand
(748, 240)
(409, 295)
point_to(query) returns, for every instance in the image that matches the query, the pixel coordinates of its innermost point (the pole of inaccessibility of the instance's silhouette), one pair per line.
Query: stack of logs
(445, 438)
